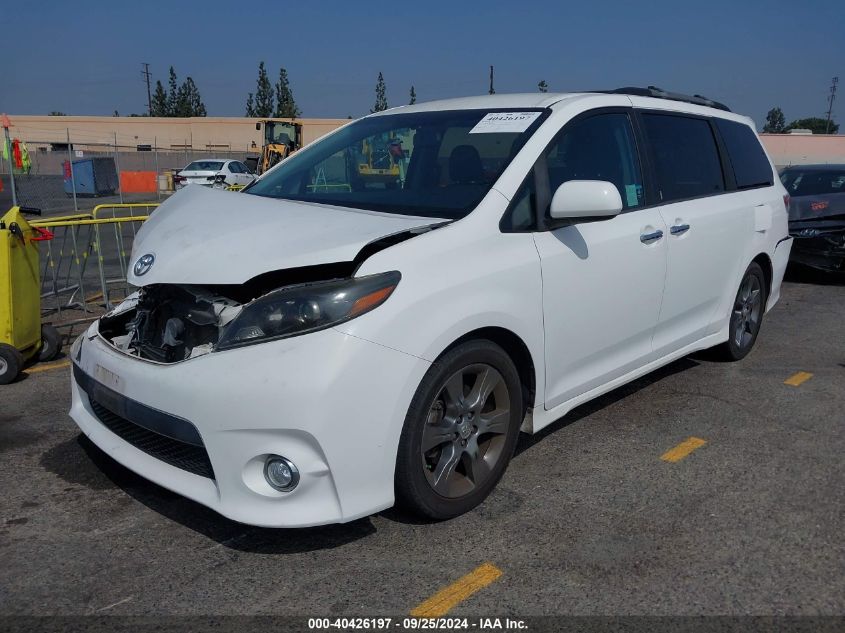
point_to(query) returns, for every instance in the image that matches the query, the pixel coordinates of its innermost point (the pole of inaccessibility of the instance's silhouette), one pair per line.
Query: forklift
(281, 139)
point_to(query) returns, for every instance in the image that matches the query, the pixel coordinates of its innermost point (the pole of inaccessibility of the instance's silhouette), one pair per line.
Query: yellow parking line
(798, 379)
(38, 368)
(683, 449)
(447, 598)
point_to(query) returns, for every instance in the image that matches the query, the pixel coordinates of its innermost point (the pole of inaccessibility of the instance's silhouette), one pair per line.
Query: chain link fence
(75, 176)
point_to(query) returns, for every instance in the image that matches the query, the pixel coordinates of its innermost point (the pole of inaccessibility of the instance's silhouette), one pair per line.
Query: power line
(146, 73)
(830, 103)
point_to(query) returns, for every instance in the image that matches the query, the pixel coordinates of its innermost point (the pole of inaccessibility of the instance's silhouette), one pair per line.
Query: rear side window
(686, 158)
(749, 162)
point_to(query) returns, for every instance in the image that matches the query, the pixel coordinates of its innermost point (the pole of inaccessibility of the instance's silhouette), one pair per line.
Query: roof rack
(658, 93)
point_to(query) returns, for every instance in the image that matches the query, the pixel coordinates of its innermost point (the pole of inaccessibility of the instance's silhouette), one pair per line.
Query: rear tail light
(786, 201)
(178, 178)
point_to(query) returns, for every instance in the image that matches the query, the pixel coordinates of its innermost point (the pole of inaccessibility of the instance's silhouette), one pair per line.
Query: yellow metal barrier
(66, 269)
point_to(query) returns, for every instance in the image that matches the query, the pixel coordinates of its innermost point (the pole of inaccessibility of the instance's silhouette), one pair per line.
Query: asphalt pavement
(614, 510)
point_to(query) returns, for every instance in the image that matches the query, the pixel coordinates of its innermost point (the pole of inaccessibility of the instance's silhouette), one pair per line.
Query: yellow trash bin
(22, 336)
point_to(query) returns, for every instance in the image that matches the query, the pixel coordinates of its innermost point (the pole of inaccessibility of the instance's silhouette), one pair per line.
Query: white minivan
(377, 318)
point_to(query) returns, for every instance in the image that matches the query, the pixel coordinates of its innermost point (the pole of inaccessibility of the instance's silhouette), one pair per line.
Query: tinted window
(521, 215)
(749, 162)
(686, 159)
(813, 182)
(434, 164)
(601, 147)
(233, 168)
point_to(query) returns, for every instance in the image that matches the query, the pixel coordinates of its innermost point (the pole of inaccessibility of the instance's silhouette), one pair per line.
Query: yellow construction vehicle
(281, 139)
(384, 159)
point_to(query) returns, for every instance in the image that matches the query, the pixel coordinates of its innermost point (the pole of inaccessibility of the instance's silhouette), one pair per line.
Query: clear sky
(85, 57)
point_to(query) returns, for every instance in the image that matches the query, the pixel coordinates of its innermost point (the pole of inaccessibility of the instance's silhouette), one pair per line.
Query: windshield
(204, 165)
(813, 182)
(432, 164)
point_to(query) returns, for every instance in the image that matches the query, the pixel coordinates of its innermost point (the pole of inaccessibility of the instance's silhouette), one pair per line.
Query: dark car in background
(817, 215)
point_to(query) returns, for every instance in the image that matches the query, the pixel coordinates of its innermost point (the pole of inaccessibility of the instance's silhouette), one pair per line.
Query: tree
(543, 86)
(191, 101)
(413, 96)
(285, 104)
(381, 95)
(775, 121)
(250, 106)
(173, 95)
(263, 93)
(159, 101)
(56, 113)
(816, 125)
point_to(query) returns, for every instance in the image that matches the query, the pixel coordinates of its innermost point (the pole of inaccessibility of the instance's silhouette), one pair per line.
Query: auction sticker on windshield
(499, 122)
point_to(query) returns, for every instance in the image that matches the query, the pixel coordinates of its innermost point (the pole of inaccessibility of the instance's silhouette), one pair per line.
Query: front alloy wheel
(460, 431)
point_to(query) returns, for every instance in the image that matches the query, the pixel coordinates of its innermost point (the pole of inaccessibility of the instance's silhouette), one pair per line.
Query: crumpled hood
(211, 236)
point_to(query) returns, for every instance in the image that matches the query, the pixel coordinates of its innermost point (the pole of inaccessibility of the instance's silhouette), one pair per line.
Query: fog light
(281, 473)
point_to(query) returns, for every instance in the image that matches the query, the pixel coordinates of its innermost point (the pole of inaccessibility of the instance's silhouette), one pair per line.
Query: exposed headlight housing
(307, 308)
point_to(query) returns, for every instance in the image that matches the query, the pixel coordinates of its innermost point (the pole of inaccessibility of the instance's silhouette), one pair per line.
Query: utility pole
(492, 90)
(146, 74)
(830, 103)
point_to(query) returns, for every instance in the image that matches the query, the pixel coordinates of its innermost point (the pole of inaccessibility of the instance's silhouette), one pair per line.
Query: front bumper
(822, 252)
(819, 243)
(332, 403)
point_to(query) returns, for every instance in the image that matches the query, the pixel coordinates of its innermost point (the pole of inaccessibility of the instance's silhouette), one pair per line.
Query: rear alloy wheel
(746, 315)
(460, 432)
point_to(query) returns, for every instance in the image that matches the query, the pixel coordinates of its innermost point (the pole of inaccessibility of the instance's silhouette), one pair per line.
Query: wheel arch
(518, 351)
(765, 262)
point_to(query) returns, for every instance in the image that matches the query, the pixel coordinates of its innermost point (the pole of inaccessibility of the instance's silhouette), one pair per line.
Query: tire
(471, 388)
(11, 363)
(51, 343)
(746, 315)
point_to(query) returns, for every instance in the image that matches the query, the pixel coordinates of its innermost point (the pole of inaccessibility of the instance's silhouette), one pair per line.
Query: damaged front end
(169, 323)
(818, 228)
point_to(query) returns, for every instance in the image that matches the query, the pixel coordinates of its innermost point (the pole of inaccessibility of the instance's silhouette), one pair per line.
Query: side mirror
(585, 201)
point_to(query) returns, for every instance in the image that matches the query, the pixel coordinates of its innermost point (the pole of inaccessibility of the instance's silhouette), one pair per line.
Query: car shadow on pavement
(526, 441)
(100, 472)
(796, 273)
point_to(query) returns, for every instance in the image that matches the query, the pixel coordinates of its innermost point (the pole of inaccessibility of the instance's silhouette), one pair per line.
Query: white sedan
(214, 172)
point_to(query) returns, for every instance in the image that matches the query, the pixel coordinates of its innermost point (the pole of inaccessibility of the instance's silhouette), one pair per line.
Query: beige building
(196, 134)
(207, 135)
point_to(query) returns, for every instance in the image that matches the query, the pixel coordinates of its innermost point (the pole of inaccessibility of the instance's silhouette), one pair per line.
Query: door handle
(648, 238)
(679, 229)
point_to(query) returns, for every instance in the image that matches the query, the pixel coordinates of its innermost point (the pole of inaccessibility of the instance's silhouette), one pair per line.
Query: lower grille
(173, 440)
(194, 459)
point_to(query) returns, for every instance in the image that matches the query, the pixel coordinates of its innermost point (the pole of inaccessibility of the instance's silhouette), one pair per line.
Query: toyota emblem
(144, 263)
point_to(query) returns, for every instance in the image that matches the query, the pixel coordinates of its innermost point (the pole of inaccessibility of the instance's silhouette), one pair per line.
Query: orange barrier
(138, 182)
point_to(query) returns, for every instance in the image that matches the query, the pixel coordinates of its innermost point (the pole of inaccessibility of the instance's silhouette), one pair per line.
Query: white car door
(707, 227)
(602, 281)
